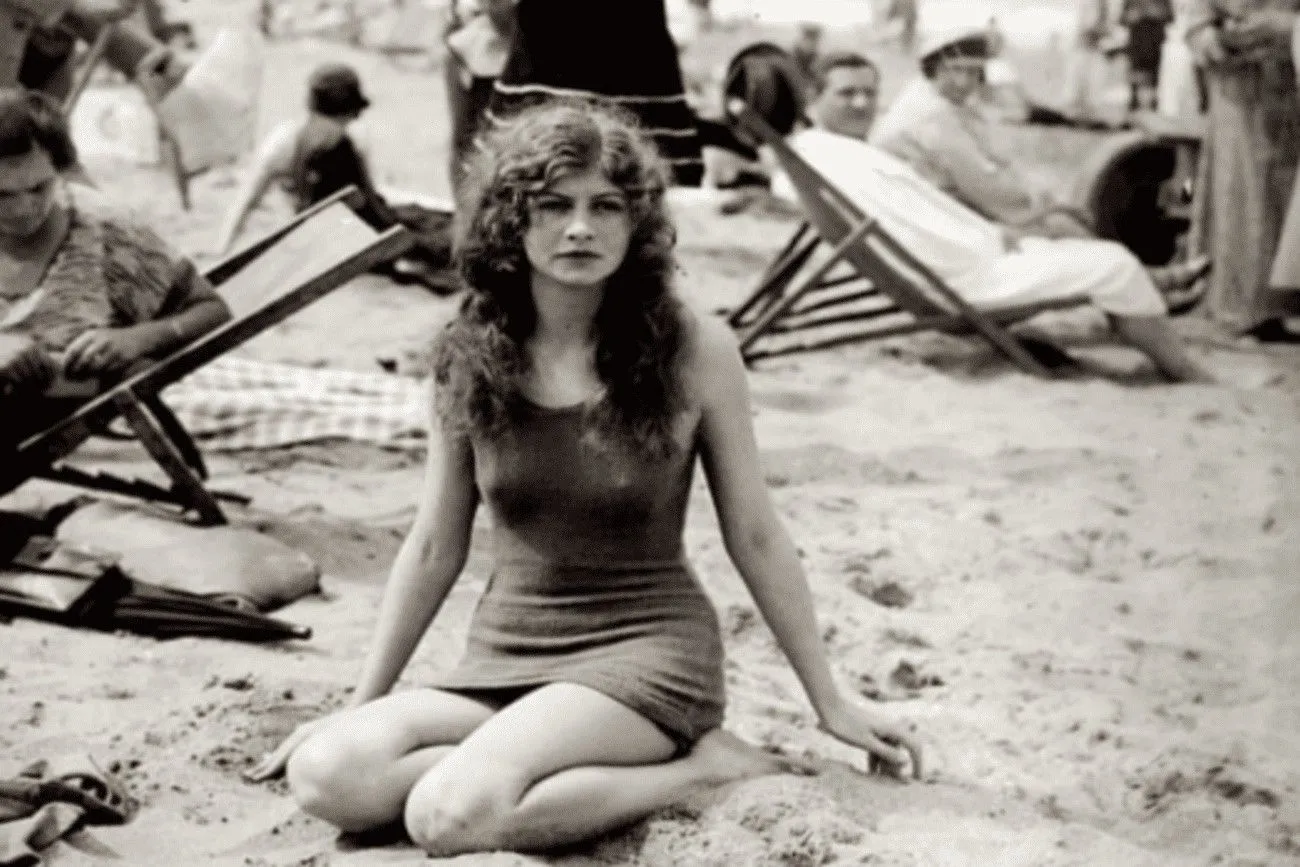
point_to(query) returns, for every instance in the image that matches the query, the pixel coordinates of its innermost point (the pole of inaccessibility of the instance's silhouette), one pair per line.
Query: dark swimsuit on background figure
(590, 584)
(622, 51)
(321, 169)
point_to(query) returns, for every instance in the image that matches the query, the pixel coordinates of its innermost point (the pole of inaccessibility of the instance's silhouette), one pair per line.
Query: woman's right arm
(427, 565)
(274, 159)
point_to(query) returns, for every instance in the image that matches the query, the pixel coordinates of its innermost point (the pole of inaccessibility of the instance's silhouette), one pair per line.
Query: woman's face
(578, 230)
(27, 184)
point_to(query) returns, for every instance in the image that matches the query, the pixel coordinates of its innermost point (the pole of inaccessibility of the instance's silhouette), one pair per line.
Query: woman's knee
(449, 813)
(330, 778)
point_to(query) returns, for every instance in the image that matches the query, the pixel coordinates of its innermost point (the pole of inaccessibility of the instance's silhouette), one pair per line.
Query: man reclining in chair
(989, 265)
(83, 294)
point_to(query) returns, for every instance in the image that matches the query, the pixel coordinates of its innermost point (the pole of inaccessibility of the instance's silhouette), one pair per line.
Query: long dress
(1286, 265)
(591, 585)
(1248, 167)
(622, 51)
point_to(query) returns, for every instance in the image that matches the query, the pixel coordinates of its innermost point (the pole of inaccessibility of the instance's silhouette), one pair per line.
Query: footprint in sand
(799, 401)
(888, 594)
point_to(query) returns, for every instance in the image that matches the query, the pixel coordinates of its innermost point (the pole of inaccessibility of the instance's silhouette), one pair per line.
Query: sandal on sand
(75, 780)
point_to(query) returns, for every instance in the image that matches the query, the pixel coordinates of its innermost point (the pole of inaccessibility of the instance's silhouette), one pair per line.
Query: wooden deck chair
(267, 281)
(866, 277)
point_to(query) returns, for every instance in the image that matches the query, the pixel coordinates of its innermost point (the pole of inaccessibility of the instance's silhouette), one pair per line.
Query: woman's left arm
(161, 297)
(763, 553)
(194, 308)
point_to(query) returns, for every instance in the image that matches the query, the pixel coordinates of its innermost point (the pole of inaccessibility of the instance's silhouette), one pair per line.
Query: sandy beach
(1085, 591)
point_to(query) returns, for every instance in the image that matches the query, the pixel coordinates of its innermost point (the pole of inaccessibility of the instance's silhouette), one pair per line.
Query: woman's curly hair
(479, 358)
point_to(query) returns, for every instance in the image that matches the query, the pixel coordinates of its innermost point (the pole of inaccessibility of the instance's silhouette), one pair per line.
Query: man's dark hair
(29, 120)
(839, 60)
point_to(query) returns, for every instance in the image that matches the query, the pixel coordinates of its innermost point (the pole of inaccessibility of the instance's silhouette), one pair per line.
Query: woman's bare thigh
(400, 723)
(551, 729)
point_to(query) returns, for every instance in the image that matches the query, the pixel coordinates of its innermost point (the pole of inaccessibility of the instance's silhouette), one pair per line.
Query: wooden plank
(945, 323)
(188, 487)
(224, 269)
(778, 274)
(88, 65)
(364, 252)
(783, 306)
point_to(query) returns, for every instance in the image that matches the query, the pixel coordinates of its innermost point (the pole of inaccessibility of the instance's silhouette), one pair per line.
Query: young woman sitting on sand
(574, 393)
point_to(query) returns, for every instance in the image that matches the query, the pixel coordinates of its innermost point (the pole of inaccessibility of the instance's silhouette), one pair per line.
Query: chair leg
(810, 282)
(177, 435)
(777, 277)
(153, 437)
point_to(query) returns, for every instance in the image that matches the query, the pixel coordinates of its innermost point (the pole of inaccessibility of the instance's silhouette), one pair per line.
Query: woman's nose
(579, 226)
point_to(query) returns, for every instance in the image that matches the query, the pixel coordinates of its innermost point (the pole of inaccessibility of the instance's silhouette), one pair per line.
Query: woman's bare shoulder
(711, 355)
(281, 142)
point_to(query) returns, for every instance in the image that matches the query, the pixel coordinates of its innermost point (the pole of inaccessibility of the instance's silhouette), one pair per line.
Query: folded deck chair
(866, 277)
(301, 261)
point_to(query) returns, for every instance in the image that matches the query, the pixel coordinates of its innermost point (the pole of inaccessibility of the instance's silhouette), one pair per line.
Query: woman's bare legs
(1156, 336)
(563, 764)
(357, 771)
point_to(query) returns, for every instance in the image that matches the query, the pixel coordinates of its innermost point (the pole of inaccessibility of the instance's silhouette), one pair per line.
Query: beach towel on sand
(236, 403)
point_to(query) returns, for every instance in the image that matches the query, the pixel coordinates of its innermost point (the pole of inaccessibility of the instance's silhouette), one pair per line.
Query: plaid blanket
(236, 403)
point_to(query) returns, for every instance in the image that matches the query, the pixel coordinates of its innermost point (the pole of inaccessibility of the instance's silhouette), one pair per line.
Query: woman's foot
(724, 758)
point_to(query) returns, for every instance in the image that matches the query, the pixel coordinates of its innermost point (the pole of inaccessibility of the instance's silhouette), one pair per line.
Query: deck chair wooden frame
(136, 400)
(863, 262)
(169, 149)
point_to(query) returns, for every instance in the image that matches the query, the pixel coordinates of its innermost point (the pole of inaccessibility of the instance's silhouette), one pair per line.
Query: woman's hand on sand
(273, 763)
(891, 746)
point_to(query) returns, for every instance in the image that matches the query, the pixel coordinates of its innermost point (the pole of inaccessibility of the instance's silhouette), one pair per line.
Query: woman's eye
(610, 207)
(551, 206)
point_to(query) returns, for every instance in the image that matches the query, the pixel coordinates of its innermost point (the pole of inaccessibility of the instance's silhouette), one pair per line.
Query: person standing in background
(1088, 62)
(1146, 21)
(1286, 265)
(807, 48)
(478, 42)
(621, 53)
(1180, 91)
(907, 13)
(1249, 159)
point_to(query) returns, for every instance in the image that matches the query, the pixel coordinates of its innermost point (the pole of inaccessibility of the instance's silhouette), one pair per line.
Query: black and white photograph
(650, 432)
